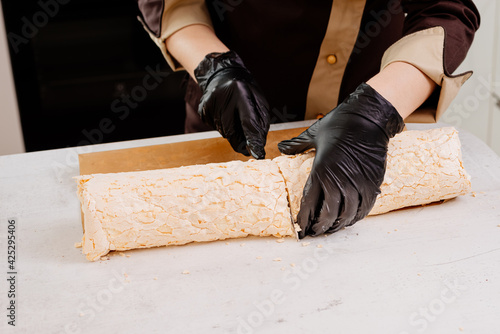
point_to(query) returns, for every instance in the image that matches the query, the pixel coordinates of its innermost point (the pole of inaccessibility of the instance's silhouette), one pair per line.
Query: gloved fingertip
(258, 152)
(322, 227)
(328, 216)
(337, 226)
(283, 147)
(302, 233)
(305, 219)
(288, 147)
(295, 145)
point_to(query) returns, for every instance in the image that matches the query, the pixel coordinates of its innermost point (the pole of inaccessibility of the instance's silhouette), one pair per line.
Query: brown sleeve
(162, 18)
(459, 19)
(437, 36)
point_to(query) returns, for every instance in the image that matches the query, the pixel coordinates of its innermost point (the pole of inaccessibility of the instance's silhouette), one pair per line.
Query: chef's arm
(232, 102)
(436, 37)
(404, 85)
(191, 44)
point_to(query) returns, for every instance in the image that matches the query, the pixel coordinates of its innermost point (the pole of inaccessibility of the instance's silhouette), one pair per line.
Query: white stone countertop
(433, 269)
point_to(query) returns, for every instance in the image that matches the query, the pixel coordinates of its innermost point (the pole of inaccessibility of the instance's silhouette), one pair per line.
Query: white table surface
(433, 269)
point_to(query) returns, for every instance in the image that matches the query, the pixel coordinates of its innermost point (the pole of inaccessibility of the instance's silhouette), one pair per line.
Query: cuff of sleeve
(425, 50)
(174, 18)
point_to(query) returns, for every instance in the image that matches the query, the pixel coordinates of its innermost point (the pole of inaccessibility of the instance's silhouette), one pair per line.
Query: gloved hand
(233, 103)
(351, 148)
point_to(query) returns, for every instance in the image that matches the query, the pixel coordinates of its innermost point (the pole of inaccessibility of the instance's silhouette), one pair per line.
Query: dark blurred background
(74, 64)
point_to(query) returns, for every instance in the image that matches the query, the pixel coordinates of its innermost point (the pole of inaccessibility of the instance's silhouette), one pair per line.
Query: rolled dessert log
(123, 211)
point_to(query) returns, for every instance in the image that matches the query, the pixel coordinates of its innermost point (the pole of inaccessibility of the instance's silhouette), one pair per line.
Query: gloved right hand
(351, 150)
(233, 103)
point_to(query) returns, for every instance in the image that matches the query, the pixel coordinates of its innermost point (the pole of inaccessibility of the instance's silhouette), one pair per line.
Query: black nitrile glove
(233, 103)
(351, 148)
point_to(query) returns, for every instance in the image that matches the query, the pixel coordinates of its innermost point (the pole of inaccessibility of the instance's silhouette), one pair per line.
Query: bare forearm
(190, 45)
(405, 86)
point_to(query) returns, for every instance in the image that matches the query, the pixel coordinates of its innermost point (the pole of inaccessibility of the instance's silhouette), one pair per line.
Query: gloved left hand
(351, 148)
(233, 103)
